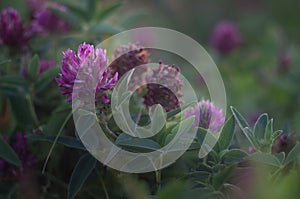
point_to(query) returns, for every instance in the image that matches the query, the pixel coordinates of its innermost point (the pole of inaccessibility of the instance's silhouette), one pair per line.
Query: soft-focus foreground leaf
(293, 154)
(81, 172)
(7, 153)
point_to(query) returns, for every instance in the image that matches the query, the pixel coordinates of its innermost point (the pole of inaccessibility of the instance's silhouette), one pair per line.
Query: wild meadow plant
(50, 62)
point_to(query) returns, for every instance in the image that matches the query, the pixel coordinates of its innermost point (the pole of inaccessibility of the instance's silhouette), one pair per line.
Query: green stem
(158, 179)
(32, 111)
(54, 142)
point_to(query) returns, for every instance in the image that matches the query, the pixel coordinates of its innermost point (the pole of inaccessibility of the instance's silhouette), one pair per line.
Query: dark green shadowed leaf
(226, 134)
(220, 178)
(81, 172)
(233, 155)
(7, 153)
(265, 158)
(68, 141)
(67, 16)
(293, 154)
(140, 145)
(45, 78)
(104, 13)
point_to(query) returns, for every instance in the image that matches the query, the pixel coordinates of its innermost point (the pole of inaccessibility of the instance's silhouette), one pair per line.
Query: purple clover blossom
(130, 56)
(207, 116)
(12, 31)
(225, 37)
(45, 21)
(19, 145)
(91, 62)
(162, 94)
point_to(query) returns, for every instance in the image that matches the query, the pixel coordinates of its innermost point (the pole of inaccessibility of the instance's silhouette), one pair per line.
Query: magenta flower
(93, 63)
(45, 21)
(162, 94)
(12, 31)
(207, 116)
(225, 37)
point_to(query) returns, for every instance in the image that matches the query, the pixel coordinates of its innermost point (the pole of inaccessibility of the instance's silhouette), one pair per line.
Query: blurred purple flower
(127, 57)
(35, 5)
(92, 63)
(284, 62)
(45, 21)
(19, 145)
(251, 149)
(162, 93)
(12, 31)
(284, 143)
(207, 116)
(225, 37)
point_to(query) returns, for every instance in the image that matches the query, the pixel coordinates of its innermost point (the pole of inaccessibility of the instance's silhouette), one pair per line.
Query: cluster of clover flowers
(207, 115)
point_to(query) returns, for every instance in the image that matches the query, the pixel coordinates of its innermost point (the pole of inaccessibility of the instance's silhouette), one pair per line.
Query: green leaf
(243, 124)
(104, 13)
(239, 118)
(293, 154)
(265, 158)
(280, 157)
(7, 153)
(275, 135)
(81, 172)
(104, 29)
(91, 7)
(179, 110)
(21, 109)
(34, 67)
(138, 144)
(226, 134)
(233, 155)
(77, 9)
(260, 126)
(45, 79)
(269, 130)
(220, 178)
(13, 85)
(68, 141)
(72, 19)
(158, 118)
(207, 141)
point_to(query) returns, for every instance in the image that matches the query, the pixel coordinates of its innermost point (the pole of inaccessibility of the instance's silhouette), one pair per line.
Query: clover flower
(12, 31)
(225, 37)
(19, 145)
(45, 21)
(93, 63)
(207, 116)
(127, 57)
(168, 76)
